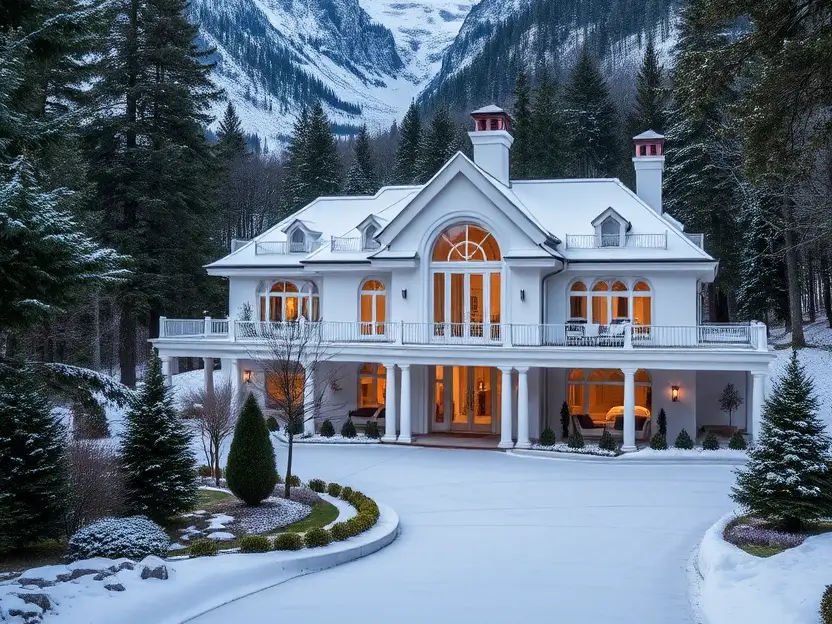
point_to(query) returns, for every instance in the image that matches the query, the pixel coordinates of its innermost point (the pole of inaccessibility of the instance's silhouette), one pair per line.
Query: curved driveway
(486, 537)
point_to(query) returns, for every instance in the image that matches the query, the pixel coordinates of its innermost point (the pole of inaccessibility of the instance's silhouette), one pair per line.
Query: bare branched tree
(299, 373)
(95, 487)
(216, 416)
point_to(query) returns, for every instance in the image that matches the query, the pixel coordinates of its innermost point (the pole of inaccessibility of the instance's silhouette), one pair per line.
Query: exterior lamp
(674, 393)
(404, 293)
(248, 376)
(522, 295)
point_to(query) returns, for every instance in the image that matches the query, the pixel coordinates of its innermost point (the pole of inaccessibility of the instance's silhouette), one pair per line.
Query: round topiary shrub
(547, 438)
(333, 489)
(255, 544)
(658, 442)
(317, 485)
(327, 430)
(340, 531)
(371, 430)
(272, 424)
(710, 443)
(683, 441)
(348, 429)
(607, 442)
(203, 548)
(135, 537)
(294, 481)
(251, 474)
(346, 493)
(737, 442)
(317, 537)
(288, 541)
(826, 605)
(576, 440)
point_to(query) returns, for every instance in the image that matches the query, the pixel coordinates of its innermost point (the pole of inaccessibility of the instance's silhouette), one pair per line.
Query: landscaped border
(669, 456)
(360, 440)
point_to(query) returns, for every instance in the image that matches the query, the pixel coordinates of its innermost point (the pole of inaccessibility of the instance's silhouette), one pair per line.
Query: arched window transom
(466, 243)
(610, 302)
(286, 301)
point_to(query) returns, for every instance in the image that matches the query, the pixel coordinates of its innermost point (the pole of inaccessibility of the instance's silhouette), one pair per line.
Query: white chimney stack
(649, 164)
(492, 142)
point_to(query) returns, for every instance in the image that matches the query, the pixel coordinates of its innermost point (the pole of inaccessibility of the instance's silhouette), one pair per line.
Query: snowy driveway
(490, 538)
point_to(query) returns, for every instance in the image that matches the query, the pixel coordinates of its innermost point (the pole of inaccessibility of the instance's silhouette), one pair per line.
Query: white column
(758, 385)
(505, 409)
(404, 429)
(629, 409)
(234, 377)
(523, 407)
(209, 376)
(166, 370)
(309, 401)
(390, 405)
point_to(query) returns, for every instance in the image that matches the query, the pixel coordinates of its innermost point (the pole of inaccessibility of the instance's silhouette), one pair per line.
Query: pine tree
(251, 472)
(407, 151)
(32, 446)
(592, 121)
(362, 178)
(159, 467)
(151, 165)
(649, 110)
(322, 161)
(550, 150)
(565, 418)
(522, 150)
(232, 139)
(294, 191)
(438, 145)
(786, 480)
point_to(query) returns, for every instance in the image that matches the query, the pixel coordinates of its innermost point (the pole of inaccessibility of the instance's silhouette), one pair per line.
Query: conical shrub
(327, 430)
(737, 442)
(710, 443)
(658, 442)
(683, 441)
(251, 474)
(576, 440)
(547, 438)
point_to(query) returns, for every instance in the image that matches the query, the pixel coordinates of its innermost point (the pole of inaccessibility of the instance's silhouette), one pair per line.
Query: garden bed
(319, 439)
(696, 452)
(589, 449)
(758, 539)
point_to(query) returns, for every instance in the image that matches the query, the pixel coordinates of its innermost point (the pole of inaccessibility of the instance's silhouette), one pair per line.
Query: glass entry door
(467, 305)
(466, 398)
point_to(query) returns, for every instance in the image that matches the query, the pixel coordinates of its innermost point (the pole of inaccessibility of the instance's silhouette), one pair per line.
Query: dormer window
(297, 242)
(368, 241)
(610, 232)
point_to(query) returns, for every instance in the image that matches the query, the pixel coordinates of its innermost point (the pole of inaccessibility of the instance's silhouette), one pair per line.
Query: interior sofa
(590, 431)
(363, 415)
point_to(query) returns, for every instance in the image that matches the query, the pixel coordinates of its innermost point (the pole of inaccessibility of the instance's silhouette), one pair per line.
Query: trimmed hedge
(317, 485)
(203, 548)
(547, 438)
(288, 541)
(333, 489)
(327, 429)
(255, 544)
(294, 481)
(737, 442)
(340, 531)
(826, 606)
(710, 443)
(346, 492)
(317, 537)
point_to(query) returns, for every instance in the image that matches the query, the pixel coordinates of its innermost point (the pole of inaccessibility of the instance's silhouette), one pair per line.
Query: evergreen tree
(522, 150)
(592, 121)
(407, 151)
(322, 161)
(232, 139)
(32, 446)
(150, 164)
(159, 467)
(786, 480)
(438, 145)
(565, 418)
(294, 192)
(251, 472)
(362, 178)
(550, 151)
(649, 110)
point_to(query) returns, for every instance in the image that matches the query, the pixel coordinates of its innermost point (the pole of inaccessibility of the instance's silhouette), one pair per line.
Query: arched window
(372, 383)
(373, 308)
(466, 243)
(285, 301)
(297, 243)
(642, 304)
(610, 232)
(577, 302)
(599, 393)
(610, 302)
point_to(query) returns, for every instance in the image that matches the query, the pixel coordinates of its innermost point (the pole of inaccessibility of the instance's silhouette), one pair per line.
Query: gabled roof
(648, 135)
(611, 212)
(488, 110)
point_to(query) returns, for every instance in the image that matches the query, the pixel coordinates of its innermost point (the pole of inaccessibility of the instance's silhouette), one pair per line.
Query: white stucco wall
(708, 389)
(681, 414)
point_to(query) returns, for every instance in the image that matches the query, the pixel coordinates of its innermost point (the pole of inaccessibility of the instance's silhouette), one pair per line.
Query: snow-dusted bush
(607, 442)
(683, 441)
(317, 537)
(710, 443)
(826, 606)
(327, 430)
(135, 537)
(658, 442)
(547, 438)
(371, 430)
(288, 541)
(737, 442)
(203, 548)
(576, 440)
(348, 429)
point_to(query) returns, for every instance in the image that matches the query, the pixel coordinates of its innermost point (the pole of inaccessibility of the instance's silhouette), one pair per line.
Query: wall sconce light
(404, 293)
(522, 295)
(248, 376)
(674, 393)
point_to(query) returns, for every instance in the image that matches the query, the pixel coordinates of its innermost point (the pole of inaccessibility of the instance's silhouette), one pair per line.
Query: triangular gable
(303, 225)
(611, 212)
(459, 164)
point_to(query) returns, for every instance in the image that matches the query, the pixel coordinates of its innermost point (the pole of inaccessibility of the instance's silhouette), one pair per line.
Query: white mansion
(474, 303)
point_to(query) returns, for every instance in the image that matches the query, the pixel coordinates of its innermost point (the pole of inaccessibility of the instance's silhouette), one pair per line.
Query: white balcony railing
(341, 243)
(285, 247)
(584, 335)
(613, 241)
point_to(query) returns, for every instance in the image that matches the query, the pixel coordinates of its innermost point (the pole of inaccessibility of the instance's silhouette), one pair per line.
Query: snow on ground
(785, 588)
(818, 365)
(488, 538)
(817, 334)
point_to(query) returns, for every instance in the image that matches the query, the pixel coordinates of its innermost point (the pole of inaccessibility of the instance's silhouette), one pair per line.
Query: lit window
(373, 308)
(372, 385)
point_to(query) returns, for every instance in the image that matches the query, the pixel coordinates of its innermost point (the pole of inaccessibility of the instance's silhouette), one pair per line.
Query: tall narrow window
(297, 243)
(642, 304)
(600, 303)
(373, 308)
(610, 233)
(372, 384)
(577, 302)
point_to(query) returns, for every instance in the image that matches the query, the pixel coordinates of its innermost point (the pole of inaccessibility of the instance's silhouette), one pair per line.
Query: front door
(466, 399)
(468, 304)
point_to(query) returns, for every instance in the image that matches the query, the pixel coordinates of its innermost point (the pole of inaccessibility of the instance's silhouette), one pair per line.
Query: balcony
(342, 243)
(486, 335)
(613, 241)
(262, 248)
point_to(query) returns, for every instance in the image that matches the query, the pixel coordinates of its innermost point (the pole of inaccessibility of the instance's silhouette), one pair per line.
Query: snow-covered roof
(648, 135)
(558, 212)
(488, 110)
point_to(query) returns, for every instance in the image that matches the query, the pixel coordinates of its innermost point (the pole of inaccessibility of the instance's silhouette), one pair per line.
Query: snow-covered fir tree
(550, 151)
(32, 445)
(362, 178)
(232, 139)
(438, 145)
(787, 478)
(521, 152)
(294, 191)
(159, 467)
(649, 110)
(592, 121)
(407, 150)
